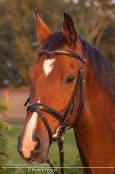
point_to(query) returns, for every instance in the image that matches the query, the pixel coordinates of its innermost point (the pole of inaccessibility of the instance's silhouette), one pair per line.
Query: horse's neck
(95, 131)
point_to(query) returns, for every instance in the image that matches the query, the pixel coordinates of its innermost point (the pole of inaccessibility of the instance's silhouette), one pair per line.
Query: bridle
(63, 119)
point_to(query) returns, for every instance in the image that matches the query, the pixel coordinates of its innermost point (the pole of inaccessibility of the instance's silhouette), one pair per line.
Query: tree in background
(97, 17)
(93, 19)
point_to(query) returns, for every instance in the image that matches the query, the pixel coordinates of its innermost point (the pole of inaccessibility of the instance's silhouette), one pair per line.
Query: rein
(63, 119)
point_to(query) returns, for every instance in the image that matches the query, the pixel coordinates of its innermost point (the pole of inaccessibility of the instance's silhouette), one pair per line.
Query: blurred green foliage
(93, 19)
(4, 126)
(3, 106)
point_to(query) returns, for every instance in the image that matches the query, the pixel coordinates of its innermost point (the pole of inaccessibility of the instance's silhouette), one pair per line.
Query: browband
(62, 52)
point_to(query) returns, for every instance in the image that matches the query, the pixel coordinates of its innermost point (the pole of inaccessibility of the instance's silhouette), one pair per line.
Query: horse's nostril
(35, 152)
(35, 138)
(37, 148)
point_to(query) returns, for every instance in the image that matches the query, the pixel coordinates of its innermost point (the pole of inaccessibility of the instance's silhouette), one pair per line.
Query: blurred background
(93, 19)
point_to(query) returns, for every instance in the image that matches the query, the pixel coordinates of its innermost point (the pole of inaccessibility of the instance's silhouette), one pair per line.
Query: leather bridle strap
(31, 109)
(73, 101)
(61, 154)
(51, 166)
(37, 107)
(62, 52)
(63, 119)
(47, 109)
(27, 101)
(81, 105)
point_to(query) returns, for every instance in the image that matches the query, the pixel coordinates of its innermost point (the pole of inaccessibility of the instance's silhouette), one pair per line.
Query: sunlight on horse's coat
(28, 143)
(91, 124)
(48, 66)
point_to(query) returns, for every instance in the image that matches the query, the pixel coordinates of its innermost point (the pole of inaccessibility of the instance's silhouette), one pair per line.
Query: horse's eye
(70, 79)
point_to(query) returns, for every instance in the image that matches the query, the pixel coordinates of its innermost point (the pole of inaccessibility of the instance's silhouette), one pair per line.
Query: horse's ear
(43, 32)
(69, 30)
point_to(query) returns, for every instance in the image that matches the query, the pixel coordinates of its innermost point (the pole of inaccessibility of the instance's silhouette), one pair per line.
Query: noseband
(63, 119)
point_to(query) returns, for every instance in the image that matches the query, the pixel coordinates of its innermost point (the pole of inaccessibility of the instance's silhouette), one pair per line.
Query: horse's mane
(103, 70)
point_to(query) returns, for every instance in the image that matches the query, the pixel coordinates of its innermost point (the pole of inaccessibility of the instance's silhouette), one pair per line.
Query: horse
(72, 86)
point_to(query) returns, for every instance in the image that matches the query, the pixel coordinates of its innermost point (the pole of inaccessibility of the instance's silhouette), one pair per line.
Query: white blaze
(48, 66)
(39, 100)
(28, 144)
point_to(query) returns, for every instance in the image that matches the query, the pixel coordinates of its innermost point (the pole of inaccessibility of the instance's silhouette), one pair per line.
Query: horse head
(56, 88)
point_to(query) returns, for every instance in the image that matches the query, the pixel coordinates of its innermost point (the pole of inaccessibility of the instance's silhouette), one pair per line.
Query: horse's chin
(38, 159)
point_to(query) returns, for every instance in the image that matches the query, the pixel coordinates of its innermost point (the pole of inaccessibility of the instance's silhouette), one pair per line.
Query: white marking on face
(48, 66)
(28, 144)
(39, 100)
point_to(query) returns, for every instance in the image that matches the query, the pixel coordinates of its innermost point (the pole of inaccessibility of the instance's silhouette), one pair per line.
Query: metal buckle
(56, 136)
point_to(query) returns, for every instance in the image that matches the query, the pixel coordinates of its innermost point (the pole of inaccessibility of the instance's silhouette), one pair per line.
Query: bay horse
(72, 86)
